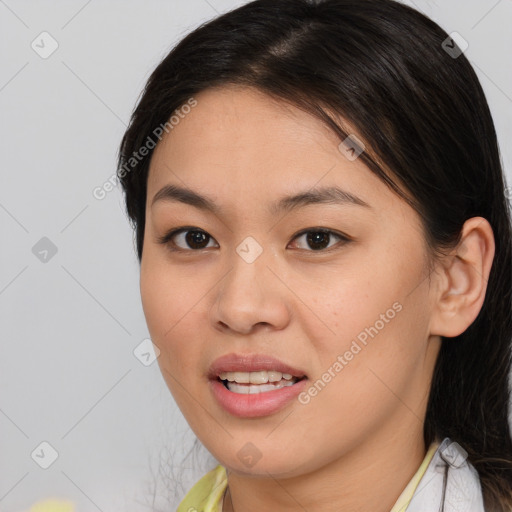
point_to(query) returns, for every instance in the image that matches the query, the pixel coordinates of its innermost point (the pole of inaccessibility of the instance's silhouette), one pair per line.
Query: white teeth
(261, 377)
(260, 388)
(248, 383)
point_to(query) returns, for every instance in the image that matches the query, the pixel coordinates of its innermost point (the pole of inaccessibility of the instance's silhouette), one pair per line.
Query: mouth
(256, 393)
(248, 374)
(252, 383)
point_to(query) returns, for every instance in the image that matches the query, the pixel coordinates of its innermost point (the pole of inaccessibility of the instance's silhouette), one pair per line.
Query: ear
(462, 280)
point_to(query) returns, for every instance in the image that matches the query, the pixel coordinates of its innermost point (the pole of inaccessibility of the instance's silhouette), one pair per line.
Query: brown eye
(186, 239)
(193, 239)
(196, 239)
(319, 239)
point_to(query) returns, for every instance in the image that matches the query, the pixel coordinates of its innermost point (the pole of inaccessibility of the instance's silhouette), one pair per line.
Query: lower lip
(258, 404)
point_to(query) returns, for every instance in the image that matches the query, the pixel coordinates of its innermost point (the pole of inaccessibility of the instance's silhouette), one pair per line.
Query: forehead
(239, 144)
(234, 122)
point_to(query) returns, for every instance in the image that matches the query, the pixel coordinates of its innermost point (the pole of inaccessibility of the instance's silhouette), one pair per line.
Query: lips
(251, 363)
(265, 401)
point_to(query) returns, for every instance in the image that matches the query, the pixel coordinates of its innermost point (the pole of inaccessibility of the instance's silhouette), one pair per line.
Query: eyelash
(166, 239)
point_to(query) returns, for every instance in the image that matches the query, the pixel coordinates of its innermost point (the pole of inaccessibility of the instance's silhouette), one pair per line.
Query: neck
(371, 476)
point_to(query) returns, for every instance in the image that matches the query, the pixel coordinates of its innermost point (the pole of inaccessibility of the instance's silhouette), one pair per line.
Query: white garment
(450, 483)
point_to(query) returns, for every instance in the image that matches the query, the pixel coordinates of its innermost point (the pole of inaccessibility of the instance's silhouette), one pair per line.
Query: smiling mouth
(251, 383)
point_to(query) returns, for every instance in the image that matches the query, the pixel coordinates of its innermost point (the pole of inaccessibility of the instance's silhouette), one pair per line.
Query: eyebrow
(324, 195)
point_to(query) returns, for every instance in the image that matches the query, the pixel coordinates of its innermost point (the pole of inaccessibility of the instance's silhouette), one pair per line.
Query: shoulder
(206, 494)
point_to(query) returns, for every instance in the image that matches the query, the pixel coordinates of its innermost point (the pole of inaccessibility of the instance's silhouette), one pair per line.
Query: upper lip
(251, 363)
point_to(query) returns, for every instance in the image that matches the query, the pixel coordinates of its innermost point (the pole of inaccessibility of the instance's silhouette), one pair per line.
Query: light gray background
(68, 374)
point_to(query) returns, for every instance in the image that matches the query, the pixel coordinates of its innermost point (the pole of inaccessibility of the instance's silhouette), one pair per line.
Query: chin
(264, 468)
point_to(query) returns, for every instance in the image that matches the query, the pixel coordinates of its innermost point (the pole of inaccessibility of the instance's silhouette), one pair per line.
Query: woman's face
(349, 309)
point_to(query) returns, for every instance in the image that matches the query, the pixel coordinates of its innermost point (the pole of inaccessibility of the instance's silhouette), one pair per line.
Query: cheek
(377, 352)
(154, 287)
(165, 310)
(360, 305)
(168, 293)
(171, 300)
(356, 394)
(377, 332)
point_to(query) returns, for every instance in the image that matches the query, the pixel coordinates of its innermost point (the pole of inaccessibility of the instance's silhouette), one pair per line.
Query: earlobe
(462, 279)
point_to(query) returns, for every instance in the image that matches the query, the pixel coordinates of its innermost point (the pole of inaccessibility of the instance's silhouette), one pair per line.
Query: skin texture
(364, 430)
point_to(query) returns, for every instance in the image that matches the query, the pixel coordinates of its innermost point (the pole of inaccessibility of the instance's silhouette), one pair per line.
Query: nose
(250, 297)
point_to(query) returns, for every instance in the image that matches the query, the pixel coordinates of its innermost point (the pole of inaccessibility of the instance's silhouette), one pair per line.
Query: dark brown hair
(420, 109)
